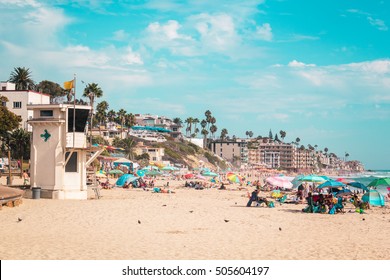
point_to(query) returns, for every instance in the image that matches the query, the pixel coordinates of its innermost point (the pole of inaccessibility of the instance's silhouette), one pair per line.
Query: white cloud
(264, 32)
(378, 23)
(168, 31)
(295, 63)
(120, 35)
(132, 58)
(217, 32)
(21, 3)
(160, 36)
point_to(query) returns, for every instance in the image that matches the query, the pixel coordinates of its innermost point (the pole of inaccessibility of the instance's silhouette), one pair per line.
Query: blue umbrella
(358, 185)
(313, 178)
(374, 198)
(210, 174)
(344, 192)
(331, 184)
(124, 179)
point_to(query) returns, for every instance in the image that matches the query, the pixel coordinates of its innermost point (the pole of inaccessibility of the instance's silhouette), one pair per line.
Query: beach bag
(271, 204)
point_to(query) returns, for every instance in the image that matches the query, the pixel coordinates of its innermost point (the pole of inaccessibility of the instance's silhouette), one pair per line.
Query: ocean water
(368, 176)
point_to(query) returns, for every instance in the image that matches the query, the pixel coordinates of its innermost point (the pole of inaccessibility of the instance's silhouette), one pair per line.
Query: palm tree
(129, 120)
(297, 140)
(282, 134)
(224, 133)
(346, 156)
(189, 121)
(121, 115)
(101, 113)
(92, 91)
(250, 134)
(208, 118)
(213, 129)
(128, 145)
(111, 115)
(204, 133)
(178, 121)
(21, 77)
(326, 150)
(195, 121)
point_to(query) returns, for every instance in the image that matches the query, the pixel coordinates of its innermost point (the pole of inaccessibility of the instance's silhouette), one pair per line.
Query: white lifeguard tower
(59, 150)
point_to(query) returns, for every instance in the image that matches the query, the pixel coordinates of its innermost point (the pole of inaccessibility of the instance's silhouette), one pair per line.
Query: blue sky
(320, 70)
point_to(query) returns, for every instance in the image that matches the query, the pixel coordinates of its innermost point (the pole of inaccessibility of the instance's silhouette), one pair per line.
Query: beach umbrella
(200, 177)
(189, 176)
(169, 168)
(141, 173)
(313, 178)
(344, 192)
(234, 178)
(358, 185)
(209, 174)
(379, 182)
(280, 182)
(331, 184)
(150, 167)
(115, 171)
(153, 173)
(343, 180)
(124, 179)
(374, 198)
(100, 172)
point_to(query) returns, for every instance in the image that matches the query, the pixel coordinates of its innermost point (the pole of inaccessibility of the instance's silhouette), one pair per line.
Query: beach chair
(282, 199)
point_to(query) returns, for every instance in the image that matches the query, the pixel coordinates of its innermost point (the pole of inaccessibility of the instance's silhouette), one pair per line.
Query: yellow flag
(68, 85)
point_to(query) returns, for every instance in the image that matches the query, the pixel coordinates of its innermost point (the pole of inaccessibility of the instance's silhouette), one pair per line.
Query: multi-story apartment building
(275, 154)
(232, 150)
(19, 99)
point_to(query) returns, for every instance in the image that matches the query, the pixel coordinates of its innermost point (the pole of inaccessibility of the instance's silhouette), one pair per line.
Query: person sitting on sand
(222, 187)
(253, 197)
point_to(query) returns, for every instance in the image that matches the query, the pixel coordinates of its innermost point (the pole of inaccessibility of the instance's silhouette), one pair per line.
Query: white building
(19, 99)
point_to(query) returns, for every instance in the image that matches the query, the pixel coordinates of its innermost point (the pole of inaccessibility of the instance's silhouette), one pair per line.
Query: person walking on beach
(25, 177)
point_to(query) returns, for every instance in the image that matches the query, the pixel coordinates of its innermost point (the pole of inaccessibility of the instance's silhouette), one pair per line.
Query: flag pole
(74, 109)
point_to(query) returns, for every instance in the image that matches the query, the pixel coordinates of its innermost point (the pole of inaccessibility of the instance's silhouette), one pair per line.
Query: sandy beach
(130, 224)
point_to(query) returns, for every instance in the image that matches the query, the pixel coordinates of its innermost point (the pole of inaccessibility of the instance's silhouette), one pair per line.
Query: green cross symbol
(46, 135)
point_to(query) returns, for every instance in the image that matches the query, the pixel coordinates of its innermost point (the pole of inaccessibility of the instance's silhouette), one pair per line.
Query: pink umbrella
(200, 177)
(280, 182)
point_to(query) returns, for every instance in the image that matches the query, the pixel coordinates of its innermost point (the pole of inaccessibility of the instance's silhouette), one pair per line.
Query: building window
(17, 105)
(71, 166)
(46, 113)
(4, 103)
(3, 88)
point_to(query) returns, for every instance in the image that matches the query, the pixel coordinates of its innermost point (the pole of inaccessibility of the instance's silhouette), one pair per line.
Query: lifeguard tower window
(81, 119)
(71, 165)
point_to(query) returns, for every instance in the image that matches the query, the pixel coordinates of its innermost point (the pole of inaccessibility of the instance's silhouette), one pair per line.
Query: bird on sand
(19, 219)
(226, 221)
(139, 221)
